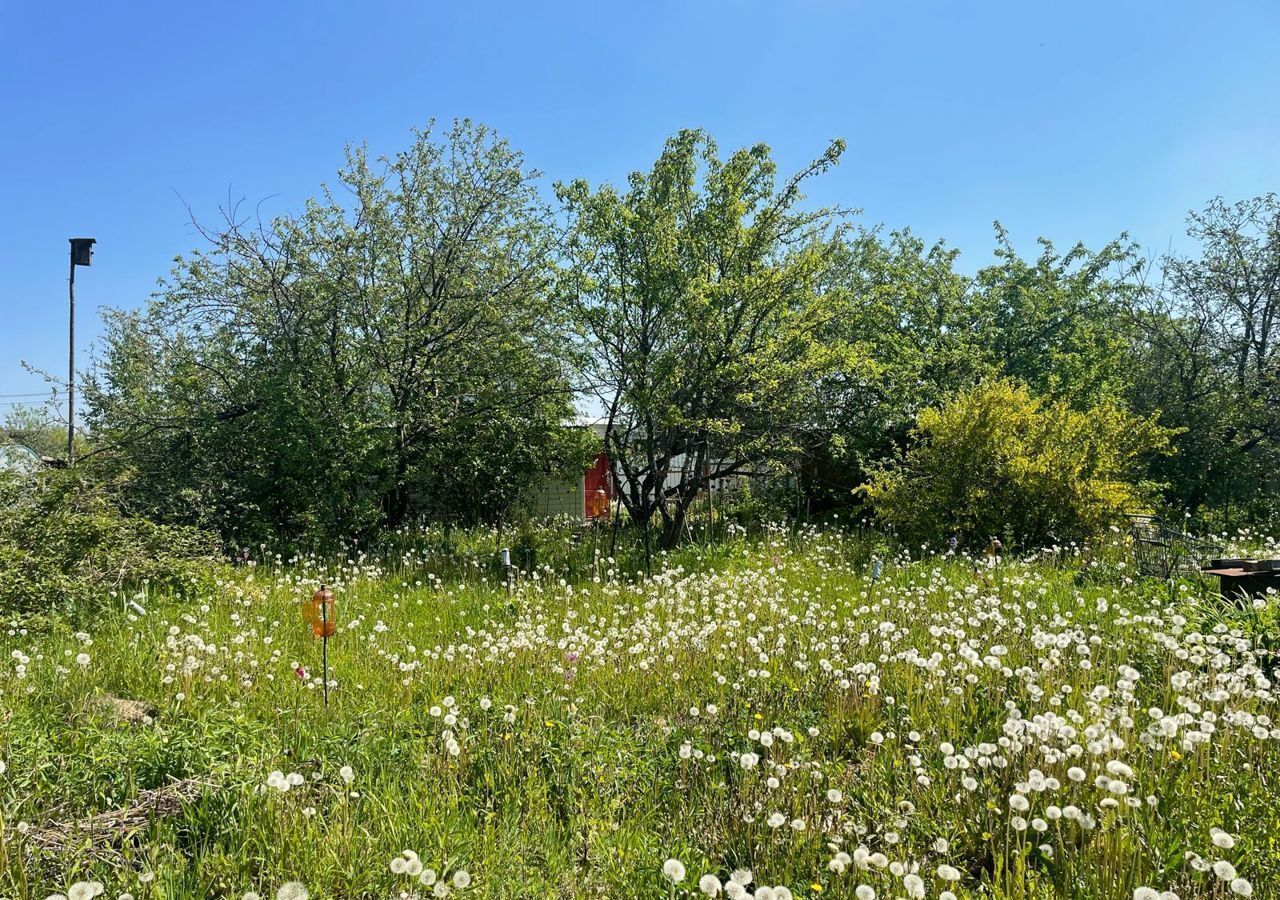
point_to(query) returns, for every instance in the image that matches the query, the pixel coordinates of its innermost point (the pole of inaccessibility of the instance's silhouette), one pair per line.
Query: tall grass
(1049, 727)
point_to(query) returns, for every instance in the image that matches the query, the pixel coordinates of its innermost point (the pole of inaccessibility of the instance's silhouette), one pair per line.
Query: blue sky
(1073, 120)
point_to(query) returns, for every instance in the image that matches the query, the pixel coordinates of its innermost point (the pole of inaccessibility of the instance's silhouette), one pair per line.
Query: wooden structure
(1243, 579)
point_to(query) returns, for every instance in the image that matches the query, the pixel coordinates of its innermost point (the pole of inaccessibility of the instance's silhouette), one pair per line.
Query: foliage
(66, 548)
(37, 429)
(1211, 359)
(384, 356)
(1057, 324)
(997, 461)
(907, 326)
(699, 295)
(916, 331)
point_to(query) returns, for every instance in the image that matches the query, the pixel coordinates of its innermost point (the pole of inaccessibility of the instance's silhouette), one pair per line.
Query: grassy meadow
(757, 719)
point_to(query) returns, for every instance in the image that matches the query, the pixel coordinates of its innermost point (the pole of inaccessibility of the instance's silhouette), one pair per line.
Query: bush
(996, 461)
(65, 545)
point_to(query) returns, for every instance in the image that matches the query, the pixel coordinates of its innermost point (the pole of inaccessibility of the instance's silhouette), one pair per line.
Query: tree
(388, 354)
(1210, 339)
(1058, 324)
(39, 429)
(996, 460)
(916, 332)
(698, 295)
(906, 326)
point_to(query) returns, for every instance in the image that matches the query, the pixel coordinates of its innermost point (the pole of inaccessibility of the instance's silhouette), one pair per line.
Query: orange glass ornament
(320, 613)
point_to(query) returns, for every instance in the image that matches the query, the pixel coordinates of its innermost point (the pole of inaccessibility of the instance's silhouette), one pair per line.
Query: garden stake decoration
(321, 616)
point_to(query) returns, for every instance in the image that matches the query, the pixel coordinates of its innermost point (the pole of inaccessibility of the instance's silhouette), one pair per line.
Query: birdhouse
(320, 614)
(82, 251)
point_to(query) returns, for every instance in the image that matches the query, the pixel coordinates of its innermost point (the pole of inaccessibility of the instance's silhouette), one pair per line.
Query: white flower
(865, 892)
(461, 879)
(82, 659)
(250, 895)
(710, 885)
(1221, 839)
(1145, 893)
(347, 774)
(948, 873)
(1241, 887)
(1224, 870)
(673, 871)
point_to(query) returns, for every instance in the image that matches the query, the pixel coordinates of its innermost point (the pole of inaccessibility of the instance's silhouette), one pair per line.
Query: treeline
(412, 344)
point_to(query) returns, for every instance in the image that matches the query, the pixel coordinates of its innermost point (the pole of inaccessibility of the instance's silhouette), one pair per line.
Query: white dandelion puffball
(461, 879)
(1224, 870)
(673, 871)
(347, 774)
(710, 885)
(948, 873)
(1221, 839)
(292, 890)
(914, 886)
(1241, 887)
(865, 892)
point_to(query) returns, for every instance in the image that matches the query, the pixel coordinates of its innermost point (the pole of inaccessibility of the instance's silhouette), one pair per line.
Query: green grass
(599, 724)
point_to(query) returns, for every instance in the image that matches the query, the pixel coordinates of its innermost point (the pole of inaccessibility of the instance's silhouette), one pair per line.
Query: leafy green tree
(1059, 323)
(916, 331)
(698, 293)
(39, 429)
(908, 338)
(998, 461)
(390, 352)
(1211, 357)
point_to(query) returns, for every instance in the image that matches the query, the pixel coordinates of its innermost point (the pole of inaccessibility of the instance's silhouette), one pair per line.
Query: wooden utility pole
(81, 255)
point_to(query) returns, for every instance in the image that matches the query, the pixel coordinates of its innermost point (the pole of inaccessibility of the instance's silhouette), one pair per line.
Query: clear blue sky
(1075, 120)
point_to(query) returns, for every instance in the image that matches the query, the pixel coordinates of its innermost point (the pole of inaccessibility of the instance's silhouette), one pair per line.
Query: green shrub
(65, 545)
(996, 461)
